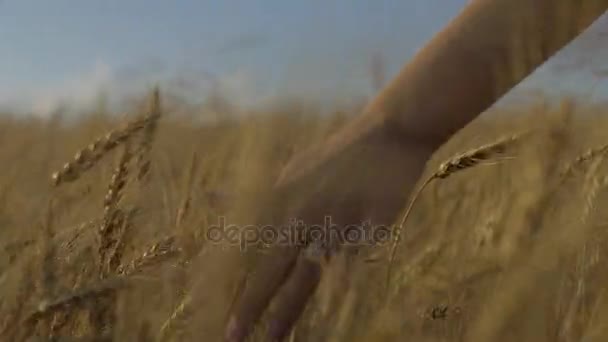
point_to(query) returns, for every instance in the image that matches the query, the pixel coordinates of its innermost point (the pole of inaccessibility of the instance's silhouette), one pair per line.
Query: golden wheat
(149, 130)
(88, 157)
(155, 254)
(114, 219)
(455, 164)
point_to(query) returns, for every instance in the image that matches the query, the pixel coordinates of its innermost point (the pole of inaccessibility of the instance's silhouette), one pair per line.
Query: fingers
(269, 275)
(293, 296)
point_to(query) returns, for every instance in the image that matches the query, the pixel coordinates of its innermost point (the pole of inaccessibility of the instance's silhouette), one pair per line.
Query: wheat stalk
(113, 217)
(89, 156)
(119, 243)
(587, 155)
(472, 158)
(185, 204)
(178, 314)
(49, 271)
(453, 165)
(154, 114)
(75, 299)
(158, 252)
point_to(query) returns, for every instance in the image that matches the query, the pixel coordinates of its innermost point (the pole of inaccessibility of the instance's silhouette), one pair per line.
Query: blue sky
(70, 49)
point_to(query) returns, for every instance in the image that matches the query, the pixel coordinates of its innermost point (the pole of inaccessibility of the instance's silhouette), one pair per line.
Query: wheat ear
(155, 254)
(158, 252)
(113, 217)
(88, 157)
(455, 164)
(587, 155)
(149, 131)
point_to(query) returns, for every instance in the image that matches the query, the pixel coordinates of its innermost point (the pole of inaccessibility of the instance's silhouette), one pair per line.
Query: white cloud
(79, 91)
(241, 86)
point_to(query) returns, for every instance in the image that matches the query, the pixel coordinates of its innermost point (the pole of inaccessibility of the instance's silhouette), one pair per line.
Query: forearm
(477, 58)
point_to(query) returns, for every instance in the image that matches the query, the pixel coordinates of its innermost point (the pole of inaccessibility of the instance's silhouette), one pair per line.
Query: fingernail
(277, 332)
(234, 333)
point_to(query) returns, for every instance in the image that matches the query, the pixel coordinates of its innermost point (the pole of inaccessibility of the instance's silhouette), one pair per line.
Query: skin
(367, 170)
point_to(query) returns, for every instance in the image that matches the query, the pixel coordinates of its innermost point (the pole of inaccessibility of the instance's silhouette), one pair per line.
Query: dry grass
(510, 247)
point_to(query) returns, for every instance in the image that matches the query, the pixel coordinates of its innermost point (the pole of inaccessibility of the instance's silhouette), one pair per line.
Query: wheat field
(104, 223)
